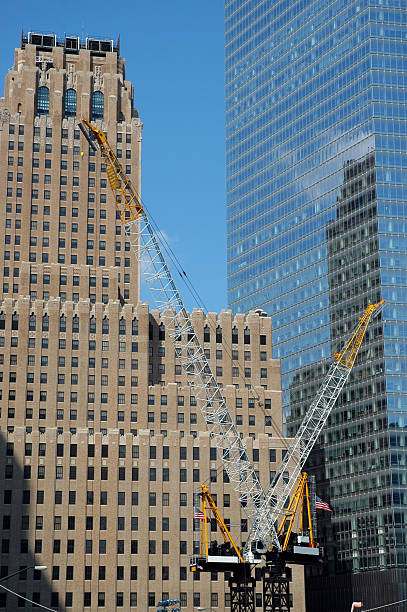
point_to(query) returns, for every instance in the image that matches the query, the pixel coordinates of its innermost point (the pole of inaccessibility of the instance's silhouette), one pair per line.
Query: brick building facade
(102, 444)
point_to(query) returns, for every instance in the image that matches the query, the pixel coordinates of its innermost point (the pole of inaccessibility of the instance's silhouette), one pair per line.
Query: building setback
(102, 443)
(105, 449)
(316, 178)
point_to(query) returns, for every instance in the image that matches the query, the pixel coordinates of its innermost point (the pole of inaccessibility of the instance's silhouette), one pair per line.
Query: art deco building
(102, 444)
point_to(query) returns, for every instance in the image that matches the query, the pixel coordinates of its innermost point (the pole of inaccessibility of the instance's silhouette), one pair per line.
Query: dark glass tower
(316, 120)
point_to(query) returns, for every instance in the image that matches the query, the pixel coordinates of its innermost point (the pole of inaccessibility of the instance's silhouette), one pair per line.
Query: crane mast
(265, 509)
(146, 248)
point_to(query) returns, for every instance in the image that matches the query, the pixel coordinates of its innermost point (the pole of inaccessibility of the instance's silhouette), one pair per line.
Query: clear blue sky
(174, 57)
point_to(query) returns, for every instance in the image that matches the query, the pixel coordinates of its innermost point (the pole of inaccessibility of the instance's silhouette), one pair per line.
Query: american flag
(198, 514)
(321, 505)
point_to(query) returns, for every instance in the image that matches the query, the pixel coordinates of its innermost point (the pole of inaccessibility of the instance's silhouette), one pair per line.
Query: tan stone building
(102, 444)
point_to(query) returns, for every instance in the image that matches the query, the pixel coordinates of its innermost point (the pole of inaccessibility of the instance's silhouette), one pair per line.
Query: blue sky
(174, 57)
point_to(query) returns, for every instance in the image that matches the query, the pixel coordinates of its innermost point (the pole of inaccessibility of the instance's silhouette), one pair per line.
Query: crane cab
(220, 558)
(215, 557)
(300, 549)
(297, 547)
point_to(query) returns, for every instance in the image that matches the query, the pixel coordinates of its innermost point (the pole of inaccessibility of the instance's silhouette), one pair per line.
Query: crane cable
(201, 304)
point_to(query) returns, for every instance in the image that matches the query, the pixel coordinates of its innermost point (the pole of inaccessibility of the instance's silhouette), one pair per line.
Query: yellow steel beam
(299, 498)
(209, 504)
(127, 201)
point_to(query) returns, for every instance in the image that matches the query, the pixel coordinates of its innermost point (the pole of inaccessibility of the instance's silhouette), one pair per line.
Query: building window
(43, 101)
(152, 525)
(70, 103)
(133, 599)
(97, 105)
(151, 599)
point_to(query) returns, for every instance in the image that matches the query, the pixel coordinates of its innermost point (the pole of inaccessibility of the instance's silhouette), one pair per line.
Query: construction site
(148, 463)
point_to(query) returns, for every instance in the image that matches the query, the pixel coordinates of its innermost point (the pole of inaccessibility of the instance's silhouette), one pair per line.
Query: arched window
(70, 103)
(92, 325)
(122, 326)
(207, 334)
(161, 331)
(75, 324)
(105, 325)
(62, 323)
(14, 321)
(45, 323)
(43, 101)
(32, 323)
(134, 327)
(235, 335)
(97, 105)
(2, 320)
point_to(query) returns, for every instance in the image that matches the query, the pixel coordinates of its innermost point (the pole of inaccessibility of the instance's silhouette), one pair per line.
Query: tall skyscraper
(102, 444)
(316, 220)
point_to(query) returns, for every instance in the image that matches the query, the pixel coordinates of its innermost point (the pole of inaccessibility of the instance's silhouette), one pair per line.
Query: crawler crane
(299, 548)
(263, 509)
(283, 545)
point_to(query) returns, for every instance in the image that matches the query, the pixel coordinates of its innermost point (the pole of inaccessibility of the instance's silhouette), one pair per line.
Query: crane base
(276, 589)
(242, 594)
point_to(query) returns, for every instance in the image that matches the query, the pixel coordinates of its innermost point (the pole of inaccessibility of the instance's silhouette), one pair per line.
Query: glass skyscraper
(316, 136)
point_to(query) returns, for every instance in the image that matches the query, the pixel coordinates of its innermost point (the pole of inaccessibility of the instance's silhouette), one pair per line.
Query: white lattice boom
(311, 426)
(264, 509)
(196, 366)
(145, 245)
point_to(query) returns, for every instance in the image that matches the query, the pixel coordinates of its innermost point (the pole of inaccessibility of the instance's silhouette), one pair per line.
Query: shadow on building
(22, 540)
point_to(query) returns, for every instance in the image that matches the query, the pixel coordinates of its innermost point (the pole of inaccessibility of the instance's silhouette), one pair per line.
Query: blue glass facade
(316, 124)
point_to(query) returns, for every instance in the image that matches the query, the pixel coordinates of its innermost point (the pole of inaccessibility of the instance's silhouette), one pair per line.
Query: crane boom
(311, 426)
(265, 510)
(145, 245)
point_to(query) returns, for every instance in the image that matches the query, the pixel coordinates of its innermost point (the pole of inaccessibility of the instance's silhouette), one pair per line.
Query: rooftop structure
(70, 44)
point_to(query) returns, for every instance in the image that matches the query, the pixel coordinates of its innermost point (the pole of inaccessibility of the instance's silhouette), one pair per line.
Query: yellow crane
(225, 557)
(264, 509)
(213, 557)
